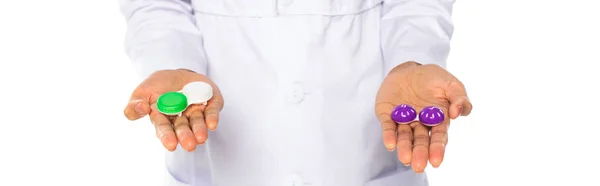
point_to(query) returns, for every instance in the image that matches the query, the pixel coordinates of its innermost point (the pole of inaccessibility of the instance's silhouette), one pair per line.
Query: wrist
(405, 65)
(185, 70)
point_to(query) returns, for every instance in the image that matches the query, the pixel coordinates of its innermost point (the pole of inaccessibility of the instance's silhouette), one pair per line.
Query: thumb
(148, 91)
(138, 106)
(459, 102)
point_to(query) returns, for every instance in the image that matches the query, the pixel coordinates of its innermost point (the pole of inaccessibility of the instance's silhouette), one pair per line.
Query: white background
(531, 67)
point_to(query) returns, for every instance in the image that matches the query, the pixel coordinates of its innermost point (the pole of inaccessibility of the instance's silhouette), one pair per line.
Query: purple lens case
(431, 116)
(404, 114)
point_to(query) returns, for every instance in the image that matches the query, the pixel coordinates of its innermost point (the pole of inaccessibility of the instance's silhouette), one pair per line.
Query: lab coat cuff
(170, 53)
(147, 68)
(404, 57)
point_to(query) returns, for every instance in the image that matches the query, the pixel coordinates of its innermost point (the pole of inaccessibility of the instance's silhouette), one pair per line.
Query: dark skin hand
(190, 128)
(408, 83)
(420, 86)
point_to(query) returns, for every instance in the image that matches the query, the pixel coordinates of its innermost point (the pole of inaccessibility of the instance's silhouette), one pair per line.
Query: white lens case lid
(197, 92)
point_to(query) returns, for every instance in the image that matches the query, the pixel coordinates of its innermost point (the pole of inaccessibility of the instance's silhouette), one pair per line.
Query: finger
(420, 147)
(164, 130)
(388, 126)
(184, 133)
(213, 107)
(136, 108)
(459, 102)
(460, 105)
(405, 144)
(197, 122)
(437, 146)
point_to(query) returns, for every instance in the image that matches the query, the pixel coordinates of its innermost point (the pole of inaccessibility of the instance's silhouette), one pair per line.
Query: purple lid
(403, 114)
(431, 116)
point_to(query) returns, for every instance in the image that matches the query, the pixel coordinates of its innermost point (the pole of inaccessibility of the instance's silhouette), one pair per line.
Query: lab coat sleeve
(416, 30)
(162, 34)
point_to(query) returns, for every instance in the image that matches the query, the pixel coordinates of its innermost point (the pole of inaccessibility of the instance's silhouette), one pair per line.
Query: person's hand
(188, 129)
(420, 86)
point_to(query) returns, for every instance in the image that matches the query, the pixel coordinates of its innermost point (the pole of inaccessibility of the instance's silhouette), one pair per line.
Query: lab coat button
(296, 95)
(295, 180)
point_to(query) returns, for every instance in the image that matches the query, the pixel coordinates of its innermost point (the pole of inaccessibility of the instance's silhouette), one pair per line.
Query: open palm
(188, 129)
(420, 86)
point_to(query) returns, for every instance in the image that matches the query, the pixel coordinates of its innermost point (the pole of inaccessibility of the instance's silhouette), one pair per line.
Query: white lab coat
(299, 78)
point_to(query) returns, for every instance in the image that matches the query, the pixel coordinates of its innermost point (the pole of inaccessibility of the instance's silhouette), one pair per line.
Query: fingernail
(390, 147)
(408, 164)
(139, 108)
(172, 146)
(200, 140)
